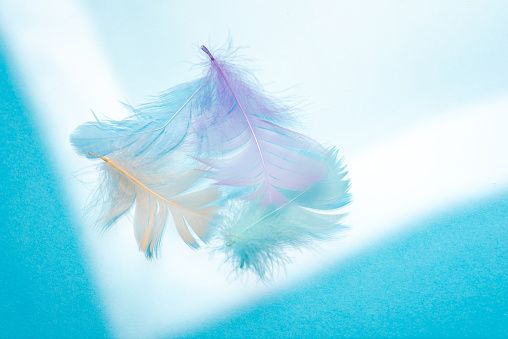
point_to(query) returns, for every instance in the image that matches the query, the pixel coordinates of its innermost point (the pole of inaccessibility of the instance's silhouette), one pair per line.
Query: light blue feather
(257, 240)
(155, 128)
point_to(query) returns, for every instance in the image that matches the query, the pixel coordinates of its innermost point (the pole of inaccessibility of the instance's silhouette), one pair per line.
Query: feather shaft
(128, 175)
(241, 108)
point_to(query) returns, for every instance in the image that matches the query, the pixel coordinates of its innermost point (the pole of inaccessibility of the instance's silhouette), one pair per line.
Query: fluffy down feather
(257, 240)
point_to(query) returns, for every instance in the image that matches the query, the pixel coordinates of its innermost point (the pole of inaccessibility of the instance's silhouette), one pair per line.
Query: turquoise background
(445, 279)
(45, 288)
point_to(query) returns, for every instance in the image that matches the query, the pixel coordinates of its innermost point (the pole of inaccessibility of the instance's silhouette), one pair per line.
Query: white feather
(157, 194)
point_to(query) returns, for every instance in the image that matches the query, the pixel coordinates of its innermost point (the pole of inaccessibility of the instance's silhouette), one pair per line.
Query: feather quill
(244, 137)
(257, 240)
(157, 196)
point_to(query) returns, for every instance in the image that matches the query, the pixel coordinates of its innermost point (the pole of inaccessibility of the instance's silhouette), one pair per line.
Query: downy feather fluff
(243, 136)
(157, 196)
(257, 240)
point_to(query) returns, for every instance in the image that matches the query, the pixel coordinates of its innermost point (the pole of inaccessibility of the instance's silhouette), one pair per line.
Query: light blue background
(389, 66)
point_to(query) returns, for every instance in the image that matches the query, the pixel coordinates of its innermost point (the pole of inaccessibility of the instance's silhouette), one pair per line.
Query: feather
(157, 195)
(153, 130)
(256, 240)
(243, 136)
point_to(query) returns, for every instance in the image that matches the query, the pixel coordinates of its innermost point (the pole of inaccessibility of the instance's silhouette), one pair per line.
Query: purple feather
(243, 136)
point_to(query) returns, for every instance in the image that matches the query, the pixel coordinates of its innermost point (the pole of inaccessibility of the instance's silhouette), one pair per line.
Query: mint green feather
(256, 240)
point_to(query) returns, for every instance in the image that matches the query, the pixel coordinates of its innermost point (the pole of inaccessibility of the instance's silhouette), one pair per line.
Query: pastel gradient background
(414, 93)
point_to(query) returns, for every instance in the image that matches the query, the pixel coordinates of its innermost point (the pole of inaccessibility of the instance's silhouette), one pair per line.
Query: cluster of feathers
(219, 159)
